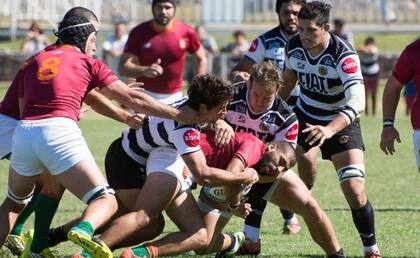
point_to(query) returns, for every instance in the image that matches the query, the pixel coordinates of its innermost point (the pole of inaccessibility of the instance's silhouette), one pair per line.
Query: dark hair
(35, 27)
(238, 33)
(369, 40)
(80, 12)
(70, 33)
(316, 10)
(339, 22)
(279, 3)
(208, 90)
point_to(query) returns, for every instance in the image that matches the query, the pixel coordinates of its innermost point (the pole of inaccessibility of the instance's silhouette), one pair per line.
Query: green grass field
(393, 188)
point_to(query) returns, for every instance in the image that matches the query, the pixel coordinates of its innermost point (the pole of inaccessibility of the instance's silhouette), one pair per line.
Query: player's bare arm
(290, 79)
(241, 71)
(390, 101)
(210, 176)
(130, 67)
(102, 105)
(200, 61)
(143, 103)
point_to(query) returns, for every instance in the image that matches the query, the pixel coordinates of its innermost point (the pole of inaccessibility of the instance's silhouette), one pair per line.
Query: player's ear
(270, 146)
(327, 27)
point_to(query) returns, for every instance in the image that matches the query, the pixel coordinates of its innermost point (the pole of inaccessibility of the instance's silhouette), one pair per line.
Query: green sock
(87, 227)
(44, 213)
(24, 215)
(141, 251)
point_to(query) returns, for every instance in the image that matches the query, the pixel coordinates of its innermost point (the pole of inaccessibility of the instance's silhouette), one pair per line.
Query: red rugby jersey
(55, 83)
(244, 146)
(406, 69)
(170, 46)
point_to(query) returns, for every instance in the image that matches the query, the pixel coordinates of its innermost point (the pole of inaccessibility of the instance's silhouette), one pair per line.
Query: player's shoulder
(293, 43)
(144, 26)
(413, 47)
(272, 33)
(184, 26)
(239, 90)
(339, 48)
(282, 108)
(246, 138)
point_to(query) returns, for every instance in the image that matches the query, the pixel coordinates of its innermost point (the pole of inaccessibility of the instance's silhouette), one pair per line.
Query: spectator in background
(35, 40)
(207, 41)
(240, 44)
(155, 52)
(409, 96)
(369, 55)
(340, 31)
(113, 46)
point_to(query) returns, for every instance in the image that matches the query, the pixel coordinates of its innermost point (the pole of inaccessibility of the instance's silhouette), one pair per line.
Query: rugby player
(332, 97)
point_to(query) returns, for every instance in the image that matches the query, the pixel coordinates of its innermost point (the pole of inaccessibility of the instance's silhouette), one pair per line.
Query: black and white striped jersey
(157, 132)
(271, 46)
(330, 83)
(277, 123)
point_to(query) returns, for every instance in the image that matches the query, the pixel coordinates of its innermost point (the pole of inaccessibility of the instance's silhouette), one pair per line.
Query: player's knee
(354, 171)
(159, 226)
(310, 207)
(18, 202)
(102, 191)
(200, 239)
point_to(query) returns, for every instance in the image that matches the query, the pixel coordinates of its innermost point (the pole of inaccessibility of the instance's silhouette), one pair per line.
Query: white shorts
(165, 98)
(167, 160)
(55, 144)
(7, 128)
(416, 146)
(206, 208)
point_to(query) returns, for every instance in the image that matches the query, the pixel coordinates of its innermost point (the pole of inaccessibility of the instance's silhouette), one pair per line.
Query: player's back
(56, 82)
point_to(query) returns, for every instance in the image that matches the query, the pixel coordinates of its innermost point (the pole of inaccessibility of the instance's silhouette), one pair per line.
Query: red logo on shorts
(192, 138)
(292, 133)
(253, 46)
(349, 65)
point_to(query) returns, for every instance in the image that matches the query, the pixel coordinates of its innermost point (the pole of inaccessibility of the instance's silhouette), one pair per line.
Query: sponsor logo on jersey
(182, 44)
(323, 71)
(253, 46)
(192, 138)
(300, 65)
(292, 133)
(241, 119)
(343, 139)
(349, 65)
(264, 126)
(147, 45)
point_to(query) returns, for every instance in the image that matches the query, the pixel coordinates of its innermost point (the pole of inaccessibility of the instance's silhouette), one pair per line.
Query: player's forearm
(338, 123)
(132, 70)
(145, 104)
(390, 100)
(217, 177)
(201, 66)
(105, 107)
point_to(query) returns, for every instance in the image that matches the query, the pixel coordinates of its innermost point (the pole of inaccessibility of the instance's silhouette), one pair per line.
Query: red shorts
(371, 84)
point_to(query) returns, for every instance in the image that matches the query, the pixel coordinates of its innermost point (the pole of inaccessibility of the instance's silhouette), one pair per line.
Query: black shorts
(121, 170)
(347, 139)
(258, 190)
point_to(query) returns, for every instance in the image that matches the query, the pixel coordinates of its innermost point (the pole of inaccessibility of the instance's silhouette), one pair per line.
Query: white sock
(293, 220)
(370, 249)
(252, 233)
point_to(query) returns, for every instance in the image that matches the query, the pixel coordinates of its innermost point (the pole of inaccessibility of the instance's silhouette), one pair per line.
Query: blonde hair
(268, 75)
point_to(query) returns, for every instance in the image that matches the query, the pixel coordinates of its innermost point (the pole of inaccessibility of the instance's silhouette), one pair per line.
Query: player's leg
(307, 165)
(290, 192)
(416, 147)
(215, 220)
(19, 194)
(351, 170)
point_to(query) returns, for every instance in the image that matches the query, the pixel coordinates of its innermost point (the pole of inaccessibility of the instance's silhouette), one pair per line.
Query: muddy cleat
(15, 243)
(250, 248)
(94, 246)
(28, 236)
(46, 253)
(291, 229)
(373, 254)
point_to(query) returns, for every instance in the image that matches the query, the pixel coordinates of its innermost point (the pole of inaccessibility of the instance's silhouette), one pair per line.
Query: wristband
(233, 207)
(388, 122)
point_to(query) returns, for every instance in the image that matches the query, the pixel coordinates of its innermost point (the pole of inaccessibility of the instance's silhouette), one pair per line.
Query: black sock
(338, 254)
(364, 220)
(287, 214)
(258, 206)
(56, 236)
(232, 243)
